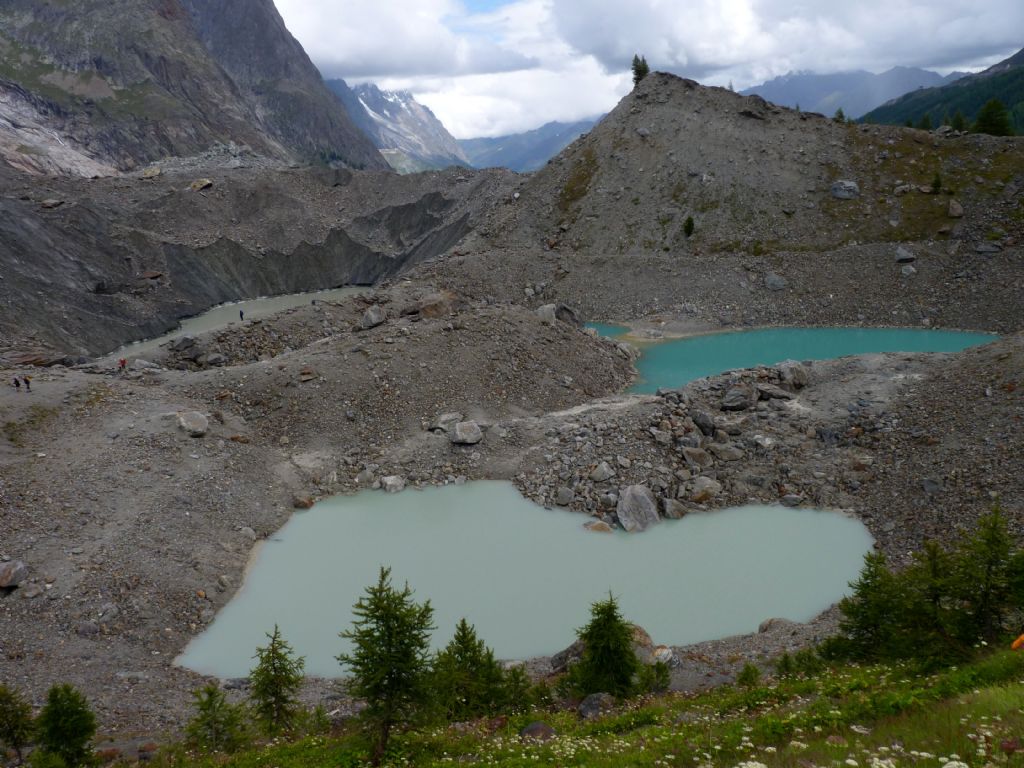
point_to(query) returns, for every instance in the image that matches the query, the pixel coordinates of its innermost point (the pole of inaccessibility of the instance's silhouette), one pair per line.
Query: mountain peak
(408, 134)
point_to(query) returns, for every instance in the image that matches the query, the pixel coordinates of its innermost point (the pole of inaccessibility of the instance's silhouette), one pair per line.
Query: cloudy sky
(491, 67)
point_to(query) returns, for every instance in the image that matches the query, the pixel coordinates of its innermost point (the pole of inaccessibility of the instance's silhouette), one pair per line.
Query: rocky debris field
(861, 285)
(130, 503)
(133, 501)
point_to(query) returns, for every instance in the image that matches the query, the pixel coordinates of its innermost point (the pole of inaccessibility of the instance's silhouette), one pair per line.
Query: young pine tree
(640, 69)
(275, 682)
(749, 676)
(66, 725)
(871, 615)
(931, 604)
(959, 122)
(983, 577)
(218, 724)
(609, 663)
(467, 680)
(839, 116)
(15, 720)
(389, 660)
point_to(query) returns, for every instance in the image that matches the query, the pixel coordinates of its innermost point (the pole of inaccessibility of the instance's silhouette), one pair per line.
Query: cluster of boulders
(188, 351)
(630, 469)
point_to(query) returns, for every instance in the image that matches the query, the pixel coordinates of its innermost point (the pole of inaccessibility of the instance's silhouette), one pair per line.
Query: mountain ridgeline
(853, 92)
(413, 139)
(1003, 81)
(527, 151)
(94, 87)
(406, 132)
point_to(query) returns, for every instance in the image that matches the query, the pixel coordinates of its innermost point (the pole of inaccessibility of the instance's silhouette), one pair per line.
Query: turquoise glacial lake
(526, 576)
(675, 362)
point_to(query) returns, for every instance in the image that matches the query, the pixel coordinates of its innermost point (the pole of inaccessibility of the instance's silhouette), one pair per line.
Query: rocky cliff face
(87, 265)
(407, 133)
(128, 81)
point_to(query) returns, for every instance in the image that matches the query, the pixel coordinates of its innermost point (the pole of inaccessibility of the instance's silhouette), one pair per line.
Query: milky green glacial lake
(675, 362)
(526, 576)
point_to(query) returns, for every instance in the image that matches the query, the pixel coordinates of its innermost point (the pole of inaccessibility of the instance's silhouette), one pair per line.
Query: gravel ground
(135, 533)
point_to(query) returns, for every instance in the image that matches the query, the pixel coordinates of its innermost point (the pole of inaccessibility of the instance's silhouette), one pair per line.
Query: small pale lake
(675, 362)
(224, 315)
(526, 576)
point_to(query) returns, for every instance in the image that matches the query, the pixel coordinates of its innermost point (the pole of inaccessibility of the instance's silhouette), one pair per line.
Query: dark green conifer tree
(274, 684)
(389, 659)
(15, 720)
(66, 725)
(640, 69)
(608, 664)
(994, 119)
(218, 725)
(467, 680)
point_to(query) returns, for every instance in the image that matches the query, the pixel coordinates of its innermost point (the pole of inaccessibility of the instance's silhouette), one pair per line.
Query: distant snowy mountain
(527, 151)
(407, 133)
(856, 93)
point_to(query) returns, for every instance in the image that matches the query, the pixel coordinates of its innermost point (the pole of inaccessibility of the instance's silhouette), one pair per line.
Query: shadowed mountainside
(126, 82)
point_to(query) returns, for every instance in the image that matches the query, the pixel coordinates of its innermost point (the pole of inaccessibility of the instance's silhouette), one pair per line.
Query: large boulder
(739, 397)
(466, 433)
(12, 573)
(672, 509)
(705, 489)
(726, 451)
(704, 421)
(194, 423)
(844, 189)
(637, 509)
(697, 457)
(793, 374)
(445, 421)
(393, 483)
(372, 317)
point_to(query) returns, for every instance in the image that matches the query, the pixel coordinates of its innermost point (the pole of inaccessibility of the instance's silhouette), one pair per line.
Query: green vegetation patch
(580, 177)
(38, 416)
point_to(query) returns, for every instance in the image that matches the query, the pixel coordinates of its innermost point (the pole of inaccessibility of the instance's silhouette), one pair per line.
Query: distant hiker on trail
(241, 315)
(28, 383)
(122, 364)
(17, 384)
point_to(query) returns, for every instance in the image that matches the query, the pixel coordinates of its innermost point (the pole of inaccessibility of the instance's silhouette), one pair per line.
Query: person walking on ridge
(28, 383)
(241, 315)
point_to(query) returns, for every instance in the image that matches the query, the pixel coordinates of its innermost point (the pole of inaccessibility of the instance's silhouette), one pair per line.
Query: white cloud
(531, 61)
(372, 40)
(499, 104)
(750, 40)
